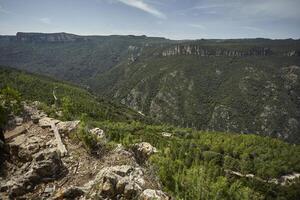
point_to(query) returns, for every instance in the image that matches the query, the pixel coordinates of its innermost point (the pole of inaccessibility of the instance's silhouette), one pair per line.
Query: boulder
(46, 165)
(18, 121)
(122, 180)
(32, 111)
(98, 132)
(165, 134)
(46, 122)
(67, 127)
(69, 193)
(150, 194)
(143, 151)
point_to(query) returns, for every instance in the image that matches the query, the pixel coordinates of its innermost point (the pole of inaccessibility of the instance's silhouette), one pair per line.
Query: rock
(108, 189)
(165, 134)
(130, 190)
(49, 189)
(33, 112)
(69, 193)
(98, 132)
(45, 165)
(68, 126)
(14, 133)
(121, 180)
(143, 151)
(150, 194)
(18, 121)
(45, 122)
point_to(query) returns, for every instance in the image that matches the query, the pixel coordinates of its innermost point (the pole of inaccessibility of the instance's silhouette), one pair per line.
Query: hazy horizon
(93, 35)
(172, 19)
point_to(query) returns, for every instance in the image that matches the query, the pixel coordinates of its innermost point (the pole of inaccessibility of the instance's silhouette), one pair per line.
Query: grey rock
(143, 151)
(150, 194)
(66, 127)
(98, 132)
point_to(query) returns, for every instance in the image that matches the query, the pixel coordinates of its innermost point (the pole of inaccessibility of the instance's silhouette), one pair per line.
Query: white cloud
(45, 20)
(144, 7)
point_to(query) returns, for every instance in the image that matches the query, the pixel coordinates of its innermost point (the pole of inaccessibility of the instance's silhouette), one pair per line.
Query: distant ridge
(48, 37)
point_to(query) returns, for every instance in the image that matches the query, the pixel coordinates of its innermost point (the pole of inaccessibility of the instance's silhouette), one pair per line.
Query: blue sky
(175, 19)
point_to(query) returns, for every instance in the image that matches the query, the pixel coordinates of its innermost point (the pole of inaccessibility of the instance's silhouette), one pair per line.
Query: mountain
(239, 85)
(67, 56)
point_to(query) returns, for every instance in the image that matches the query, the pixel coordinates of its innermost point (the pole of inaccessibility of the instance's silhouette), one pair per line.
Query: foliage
(194, 164)
(10, 104)
(72, 100)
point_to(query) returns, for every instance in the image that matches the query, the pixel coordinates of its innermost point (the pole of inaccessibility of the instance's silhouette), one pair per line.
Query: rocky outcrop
(293, 53)
(222, 119)
(143, 151)
(67, 126)
(191, 49)
(153, 195)
(99, 133)
(117, 182)
(35, 168)
(123, 182)
(46, 165)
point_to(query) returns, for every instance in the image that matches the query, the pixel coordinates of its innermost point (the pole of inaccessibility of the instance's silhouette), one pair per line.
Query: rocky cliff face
(51, 37)
(200, 50)
(207, 51)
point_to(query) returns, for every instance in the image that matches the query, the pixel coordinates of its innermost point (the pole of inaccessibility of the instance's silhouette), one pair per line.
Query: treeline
(194, 164)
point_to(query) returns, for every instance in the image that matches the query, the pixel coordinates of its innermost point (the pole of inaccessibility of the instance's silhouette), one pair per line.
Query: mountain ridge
(239, 85)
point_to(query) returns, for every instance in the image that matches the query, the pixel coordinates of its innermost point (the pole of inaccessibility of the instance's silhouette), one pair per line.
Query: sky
(174, 19)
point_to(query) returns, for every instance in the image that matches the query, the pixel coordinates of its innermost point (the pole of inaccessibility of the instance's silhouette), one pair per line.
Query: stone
(49, 189)
(143, 151)
(67, 127)
(108, 189)
(121, 180)
(19, 121)
(165, 134)
(130, 190)
(45, 165)
(69, 193)
(14, 133)
(46, 122)
(98, 132)
(150, 194)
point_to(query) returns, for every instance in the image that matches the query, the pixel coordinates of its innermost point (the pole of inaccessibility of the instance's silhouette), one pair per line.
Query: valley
(241, 85)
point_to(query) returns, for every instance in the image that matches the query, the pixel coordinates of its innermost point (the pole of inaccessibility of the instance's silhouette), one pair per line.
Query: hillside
(110, 154)
(239, 85)
(67, 56)
(245, 86)
(71, 98)
(90, 159)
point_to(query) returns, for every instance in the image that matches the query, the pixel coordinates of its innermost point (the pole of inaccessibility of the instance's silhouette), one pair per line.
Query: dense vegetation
(191, 164)
(72, 100)
(238, 94)
(197, 165)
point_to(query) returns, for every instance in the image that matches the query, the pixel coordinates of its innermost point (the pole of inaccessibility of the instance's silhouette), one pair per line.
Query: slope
(73, 99)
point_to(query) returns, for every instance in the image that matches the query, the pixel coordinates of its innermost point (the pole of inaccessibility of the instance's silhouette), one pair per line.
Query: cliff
(47, 37)
(200, 50)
